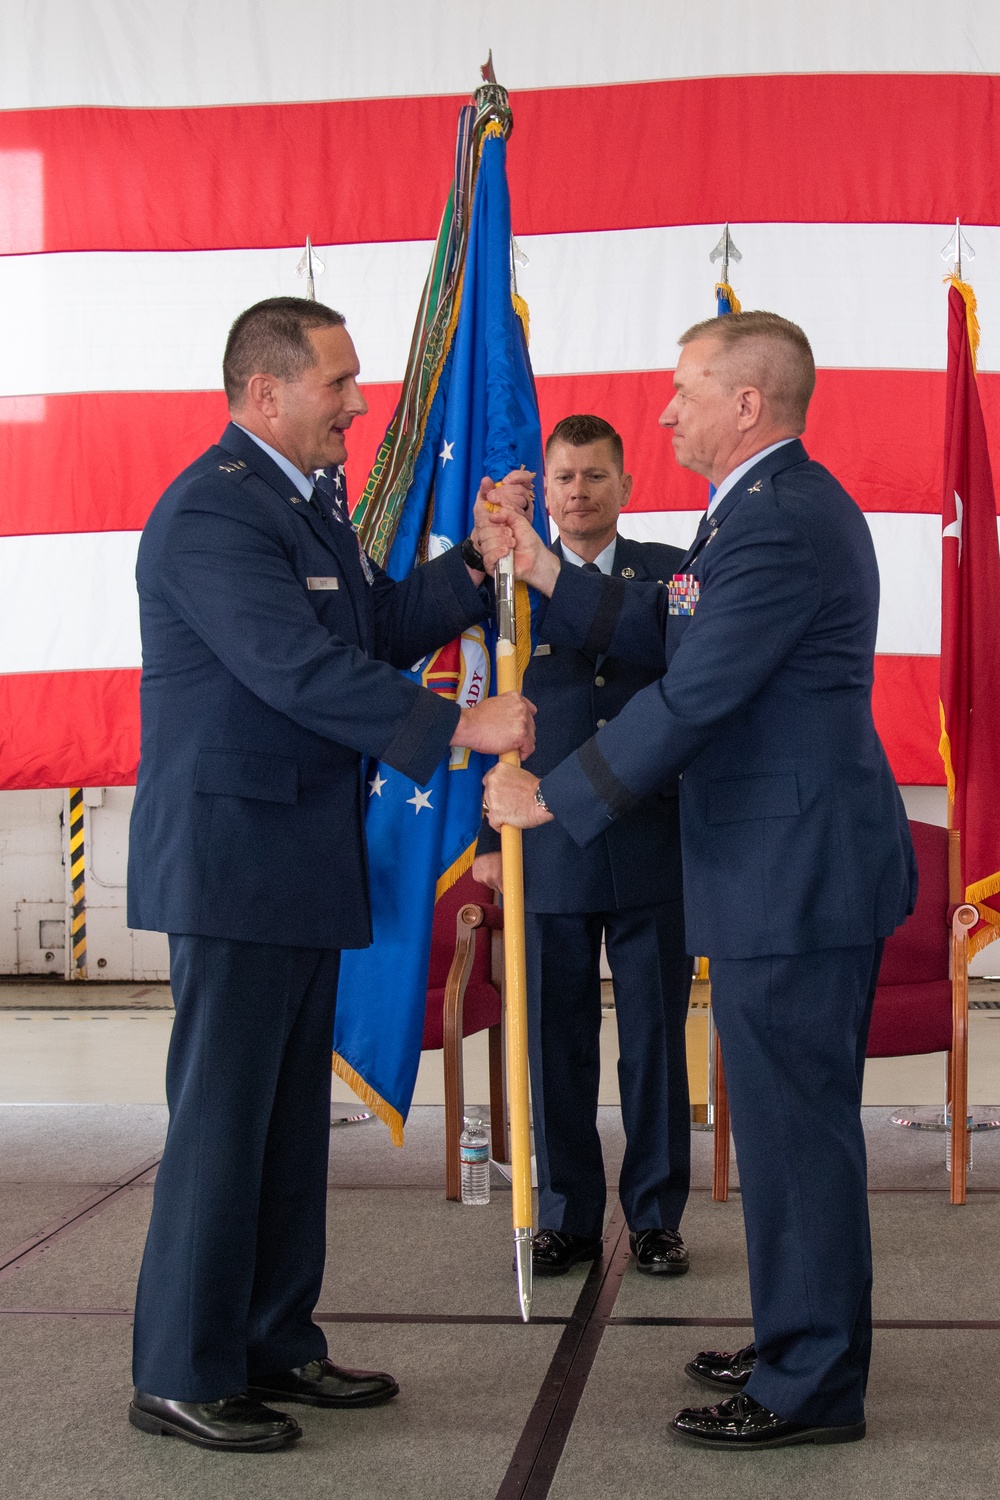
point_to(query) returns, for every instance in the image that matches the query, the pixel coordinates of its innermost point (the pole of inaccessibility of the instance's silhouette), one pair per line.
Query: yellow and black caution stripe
(77, 864)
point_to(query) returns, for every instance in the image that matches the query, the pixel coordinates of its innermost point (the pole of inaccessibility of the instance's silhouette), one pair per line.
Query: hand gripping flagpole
(508, 681)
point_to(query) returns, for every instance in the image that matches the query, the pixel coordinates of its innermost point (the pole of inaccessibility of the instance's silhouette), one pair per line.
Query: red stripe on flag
(101, 460)
(98, 462)
(839, 148)
(82, 728)
(905, 706)
(69, 729)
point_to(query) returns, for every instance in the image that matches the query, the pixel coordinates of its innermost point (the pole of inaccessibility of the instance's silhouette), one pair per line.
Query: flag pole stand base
(522, 1261)
(980, 1117)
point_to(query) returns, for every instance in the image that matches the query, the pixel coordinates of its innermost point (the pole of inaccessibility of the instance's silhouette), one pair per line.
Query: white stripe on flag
(68, 602)
(134, 53)
(614, 300)
(908, 548)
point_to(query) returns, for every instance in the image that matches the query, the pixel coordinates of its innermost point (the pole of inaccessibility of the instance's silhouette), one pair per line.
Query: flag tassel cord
(968, 295)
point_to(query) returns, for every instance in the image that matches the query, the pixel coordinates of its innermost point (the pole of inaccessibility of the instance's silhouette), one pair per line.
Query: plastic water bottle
(474, 1154)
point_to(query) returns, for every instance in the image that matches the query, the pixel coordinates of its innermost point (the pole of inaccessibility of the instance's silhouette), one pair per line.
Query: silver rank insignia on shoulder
(628, 572)
(234, 467)
(755, 489)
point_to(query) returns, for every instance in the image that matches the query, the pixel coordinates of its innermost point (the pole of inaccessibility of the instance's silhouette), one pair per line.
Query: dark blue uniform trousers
(237, 1241)
(793, 1032)
(652, 981)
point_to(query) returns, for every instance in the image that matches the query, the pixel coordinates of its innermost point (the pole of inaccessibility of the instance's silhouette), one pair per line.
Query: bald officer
(625, 887)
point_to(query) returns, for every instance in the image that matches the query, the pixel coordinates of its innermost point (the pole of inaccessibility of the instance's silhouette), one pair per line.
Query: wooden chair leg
(454, 1110)
(454, 1090)
(498, 1095)
(720, 1170)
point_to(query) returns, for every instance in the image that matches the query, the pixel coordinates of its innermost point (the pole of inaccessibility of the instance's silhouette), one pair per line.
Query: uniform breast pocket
(241, 773)
(739, 799)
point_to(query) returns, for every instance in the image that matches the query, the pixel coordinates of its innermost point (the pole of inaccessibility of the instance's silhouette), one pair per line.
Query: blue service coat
(794, 834)
(636, 860)
(268, 675)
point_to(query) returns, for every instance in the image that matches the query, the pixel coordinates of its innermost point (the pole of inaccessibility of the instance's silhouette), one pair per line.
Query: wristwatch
(471, 556)
(540, 800)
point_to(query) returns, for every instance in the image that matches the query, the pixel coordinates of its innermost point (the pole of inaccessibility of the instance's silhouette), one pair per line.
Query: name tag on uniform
(542, 651)
(683, 591)
(323, 583)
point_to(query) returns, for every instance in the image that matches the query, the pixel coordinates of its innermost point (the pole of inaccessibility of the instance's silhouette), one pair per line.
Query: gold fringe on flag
(987, 934)
(385, 1112)
(971, 315)
(522, 625)
(944, 750)
(980, 890)
(723, 289)
(521, 308)
(455, 871)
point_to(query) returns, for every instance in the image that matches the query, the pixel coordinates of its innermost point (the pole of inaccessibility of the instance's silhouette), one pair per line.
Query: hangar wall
(34, 907)
(34, 914)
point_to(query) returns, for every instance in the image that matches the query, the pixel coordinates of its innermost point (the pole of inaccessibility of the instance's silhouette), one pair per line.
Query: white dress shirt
(302, 483)
(604, 560)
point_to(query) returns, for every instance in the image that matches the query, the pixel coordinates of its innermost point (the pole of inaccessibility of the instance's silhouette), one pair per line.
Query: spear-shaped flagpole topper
(957, 244)
(310, 266)
(725, 251)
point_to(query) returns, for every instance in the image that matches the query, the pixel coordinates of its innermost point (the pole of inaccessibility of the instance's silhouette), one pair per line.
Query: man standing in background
(625, 887)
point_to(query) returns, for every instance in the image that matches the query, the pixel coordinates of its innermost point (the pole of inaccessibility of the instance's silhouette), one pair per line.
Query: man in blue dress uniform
(625, 887)
(797, 856)
(270, 643)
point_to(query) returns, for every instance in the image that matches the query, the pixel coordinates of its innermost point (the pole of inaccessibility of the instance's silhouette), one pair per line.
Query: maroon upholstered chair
(921, 1003)
(922, 1000)
(465, 995)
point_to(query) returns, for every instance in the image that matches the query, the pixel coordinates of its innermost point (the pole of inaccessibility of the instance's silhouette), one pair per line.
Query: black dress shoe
(322, 1383)
(659, 1252)
(724, 1372)
(742, 1422)
(236, 1423)
(553, 1252)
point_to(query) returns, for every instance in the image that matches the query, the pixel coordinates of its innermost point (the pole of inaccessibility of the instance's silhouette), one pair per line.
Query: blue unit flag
(483, 420)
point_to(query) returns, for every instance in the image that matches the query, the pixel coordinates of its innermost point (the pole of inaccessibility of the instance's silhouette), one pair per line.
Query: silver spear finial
(725, 251)
(310, 266)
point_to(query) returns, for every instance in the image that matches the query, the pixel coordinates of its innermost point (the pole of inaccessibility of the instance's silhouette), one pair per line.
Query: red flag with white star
(970, 624)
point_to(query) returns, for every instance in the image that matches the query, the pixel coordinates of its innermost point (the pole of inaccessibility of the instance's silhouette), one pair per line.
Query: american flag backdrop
(161, 166)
